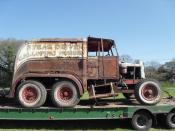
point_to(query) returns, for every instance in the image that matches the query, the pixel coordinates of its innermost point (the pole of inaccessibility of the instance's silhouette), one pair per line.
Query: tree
(169, 65)
(170, 69)
(165, 72)
(126, 58)
(8, 49)
(153, 64)
(151, 69)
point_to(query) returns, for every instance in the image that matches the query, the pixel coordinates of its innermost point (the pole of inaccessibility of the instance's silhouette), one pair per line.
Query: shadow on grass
(67, 125)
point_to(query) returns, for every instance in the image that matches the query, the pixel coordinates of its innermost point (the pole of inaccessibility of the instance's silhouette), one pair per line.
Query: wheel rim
(141, 121)
(149, 92)
(65, 94)
(30, 94)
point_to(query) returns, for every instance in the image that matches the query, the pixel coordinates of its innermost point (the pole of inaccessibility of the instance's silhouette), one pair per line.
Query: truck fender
(35, 75)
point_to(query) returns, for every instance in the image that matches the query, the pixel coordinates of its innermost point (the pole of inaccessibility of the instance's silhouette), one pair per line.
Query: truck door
(108, 67)
(108, 62)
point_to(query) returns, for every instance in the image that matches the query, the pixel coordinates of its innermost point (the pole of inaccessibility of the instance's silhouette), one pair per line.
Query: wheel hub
(29, 94)
(149, 92)
(65, 94)
(141, 121)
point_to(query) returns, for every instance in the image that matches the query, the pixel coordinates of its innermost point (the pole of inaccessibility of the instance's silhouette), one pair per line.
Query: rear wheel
(148, 92)
(31, 94)
(170, 120)
(141, 121)
(65, 94)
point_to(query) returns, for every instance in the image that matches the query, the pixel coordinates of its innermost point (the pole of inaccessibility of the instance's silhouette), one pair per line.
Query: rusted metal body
(47, 60)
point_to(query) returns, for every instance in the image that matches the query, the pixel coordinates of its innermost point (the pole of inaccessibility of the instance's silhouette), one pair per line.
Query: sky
(143, 29)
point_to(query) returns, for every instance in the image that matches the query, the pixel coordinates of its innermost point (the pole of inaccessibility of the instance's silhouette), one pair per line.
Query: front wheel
(31, 94)
(148, 92)
(65, 94)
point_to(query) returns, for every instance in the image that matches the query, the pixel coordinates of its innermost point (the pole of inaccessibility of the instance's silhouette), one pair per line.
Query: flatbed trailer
(142, 117)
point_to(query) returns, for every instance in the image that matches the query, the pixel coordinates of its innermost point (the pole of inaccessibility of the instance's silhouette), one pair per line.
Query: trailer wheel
(170, 120)
(31, 94)
(65, 94)
(129, 96)
(148, 92)
(141, 121)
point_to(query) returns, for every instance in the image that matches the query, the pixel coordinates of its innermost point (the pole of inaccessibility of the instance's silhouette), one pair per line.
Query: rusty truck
(64, 69)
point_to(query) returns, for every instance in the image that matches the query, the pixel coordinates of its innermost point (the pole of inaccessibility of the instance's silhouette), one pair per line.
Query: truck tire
(148, 92)
(31, 94)
(170, 120)
(142, 121)
(65, 94)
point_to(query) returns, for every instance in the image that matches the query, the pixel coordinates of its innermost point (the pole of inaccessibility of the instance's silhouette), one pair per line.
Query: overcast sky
(144, 29)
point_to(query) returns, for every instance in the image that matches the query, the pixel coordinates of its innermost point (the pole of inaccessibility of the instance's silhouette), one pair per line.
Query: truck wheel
(129, 96)
(65, 94)
(142, 121)
(148, 92)
(31, 94)
(170, 120)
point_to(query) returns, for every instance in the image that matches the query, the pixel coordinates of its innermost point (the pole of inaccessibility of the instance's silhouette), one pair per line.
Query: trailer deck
(105, 109)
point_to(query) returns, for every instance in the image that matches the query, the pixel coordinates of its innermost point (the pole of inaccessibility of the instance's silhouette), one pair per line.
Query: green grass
(169, 87)
(85, 96)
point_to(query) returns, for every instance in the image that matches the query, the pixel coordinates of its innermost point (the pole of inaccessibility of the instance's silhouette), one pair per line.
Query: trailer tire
(65, 94)
(170, 120)
(142, 121)
(31, 94)
(148, 92)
